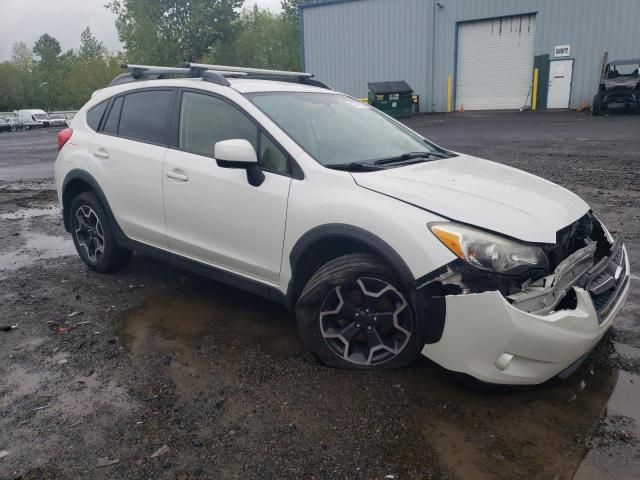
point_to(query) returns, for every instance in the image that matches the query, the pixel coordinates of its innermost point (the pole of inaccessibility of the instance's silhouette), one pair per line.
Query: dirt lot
(102, 371)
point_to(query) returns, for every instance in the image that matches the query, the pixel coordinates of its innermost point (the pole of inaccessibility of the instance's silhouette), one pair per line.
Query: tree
(22, 56)
(47, 48)
(90, 47)
(291, 10)
(172, 31)
(263, 40)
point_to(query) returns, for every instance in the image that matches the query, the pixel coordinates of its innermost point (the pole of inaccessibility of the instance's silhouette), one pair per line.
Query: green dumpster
(393, 98)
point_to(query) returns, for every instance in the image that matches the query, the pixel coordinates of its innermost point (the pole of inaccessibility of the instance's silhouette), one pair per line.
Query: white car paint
(186, 204)
(502, 344)
(482, 193)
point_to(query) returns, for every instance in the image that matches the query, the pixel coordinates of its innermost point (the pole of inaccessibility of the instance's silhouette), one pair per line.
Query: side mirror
(239, 153)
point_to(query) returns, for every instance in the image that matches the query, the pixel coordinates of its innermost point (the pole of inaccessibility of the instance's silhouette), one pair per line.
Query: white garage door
(495, 63)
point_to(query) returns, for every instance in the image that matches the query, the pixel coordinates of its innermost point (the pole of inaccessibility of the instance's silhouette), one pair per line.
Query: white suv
(384, 244)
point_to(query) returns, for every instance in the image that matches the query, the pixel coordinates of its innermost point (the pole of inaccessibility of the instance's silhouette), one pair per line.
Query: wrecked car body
(385, 245)
(619, 87)
(530, 331)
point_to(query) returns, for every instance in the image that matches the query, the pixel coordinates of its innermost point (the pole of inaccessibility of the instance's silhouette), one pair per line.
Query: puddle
(615, 451)
(37, 247)
(216, 339)
(190, 334)
(24, 213)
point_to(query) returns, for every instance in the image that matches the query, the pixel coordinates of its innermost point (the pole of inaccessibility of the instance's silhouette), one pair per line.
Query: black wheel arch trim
(344, 231)
(430, 312)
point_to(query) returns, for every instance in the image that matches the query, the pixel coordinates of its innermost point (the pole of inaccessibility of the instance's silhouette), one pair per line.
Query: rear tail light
(63, 137)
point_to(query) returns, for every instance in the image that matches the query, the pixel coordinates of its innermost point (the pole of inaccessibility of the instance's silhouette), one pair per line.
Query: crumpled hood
(482, 193)
(624, 81)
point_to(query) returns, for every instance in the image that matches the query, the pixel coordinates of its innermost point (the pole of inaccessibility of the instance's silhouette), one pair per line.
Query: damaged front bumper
(532, 336)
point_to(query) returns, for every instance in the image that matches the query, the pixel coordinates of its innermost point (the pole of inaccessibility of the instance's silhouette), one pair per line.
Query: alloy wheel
(89, 232)
(367, 322)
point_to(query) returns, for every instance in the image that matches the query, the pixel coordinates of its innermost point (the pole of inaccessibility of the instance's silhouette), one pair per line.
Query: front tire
(353, 313)
(596, 107)
(93, 235)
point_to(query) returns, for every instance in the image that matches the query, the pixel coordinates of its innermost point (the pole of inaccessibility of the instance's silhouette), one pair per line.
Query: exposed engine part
(580, 248)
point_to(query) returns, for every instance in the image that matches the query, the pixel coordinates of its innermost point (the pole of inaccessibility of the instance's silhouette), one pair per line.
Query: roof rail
(211, 73)
(261, 74)
(255, 71)
(151, 72)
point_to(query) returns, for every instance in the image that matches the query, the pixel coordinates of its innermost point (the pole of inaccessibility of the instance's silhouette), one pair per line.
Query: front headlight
(489, 252)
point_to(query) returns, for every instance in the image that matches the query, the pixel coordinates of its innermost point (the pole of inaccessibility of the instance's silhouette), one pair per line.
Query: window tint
(94, 115)
(271, 157)
(206, 120)
(111, 123)
(144, 116)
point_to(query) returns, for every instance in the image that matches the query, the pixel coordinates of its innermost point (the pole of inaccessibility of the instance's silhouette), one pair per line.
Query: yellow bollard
(449, 92)
(534, 97)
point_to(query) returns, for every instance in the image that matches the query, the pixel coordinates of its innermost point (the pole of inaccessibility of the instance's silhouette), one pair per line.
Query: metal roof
(633, 61)
(322, 3)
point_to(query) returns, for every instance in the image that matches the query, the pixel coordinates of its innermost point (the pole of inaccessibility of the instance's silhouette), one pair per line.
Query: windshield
(338, 130)
(39, 116)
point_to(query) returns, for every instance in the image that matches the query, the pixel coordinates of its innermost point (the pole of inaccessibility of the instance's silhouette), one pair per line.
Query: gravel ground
(104, 371)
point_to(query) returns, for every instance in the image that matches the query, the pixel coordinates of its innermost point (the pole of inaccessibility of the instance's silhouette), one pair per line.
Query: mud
(157, 356)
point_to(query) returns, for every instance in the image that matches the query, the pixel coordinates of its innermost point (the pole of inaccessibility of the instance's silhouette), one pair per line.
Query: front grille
(606, 280)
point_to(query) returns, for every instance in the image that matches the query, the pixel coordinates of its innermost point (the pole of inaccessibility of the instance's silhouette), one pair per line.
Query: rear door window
(145, 116)
(111, 123)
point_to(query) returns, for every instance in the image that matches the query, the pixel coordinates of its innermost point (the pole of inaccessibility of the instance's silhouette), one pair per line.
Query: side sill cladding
(216, 274)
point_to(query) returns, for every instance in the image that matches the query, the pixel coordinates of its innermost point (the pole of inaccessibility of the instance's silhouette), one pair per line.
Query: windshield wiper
(410, 156)
(354, 167)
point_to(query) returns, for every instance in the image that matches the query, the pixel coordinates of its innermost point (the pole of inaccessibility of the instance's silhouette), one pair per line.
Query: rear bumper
(489, 339)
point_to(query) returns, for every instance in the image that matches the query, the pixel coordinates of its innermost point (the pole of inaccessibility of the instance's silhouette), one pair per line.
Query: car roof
(240, 85)
(252, 85)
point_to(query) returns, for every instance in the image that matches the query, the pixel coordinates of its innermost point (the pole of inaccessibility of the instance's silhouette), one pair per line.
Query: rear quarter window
(94, 115)
(113, 118)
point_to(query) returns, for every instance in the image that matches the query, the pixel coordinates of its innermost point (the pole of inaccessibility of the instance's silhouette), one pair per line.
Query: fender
(341, 230)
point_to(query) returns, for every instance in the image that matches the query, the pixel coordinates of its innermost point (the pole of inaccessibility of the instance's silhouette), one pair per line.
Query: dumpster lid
(398, 86)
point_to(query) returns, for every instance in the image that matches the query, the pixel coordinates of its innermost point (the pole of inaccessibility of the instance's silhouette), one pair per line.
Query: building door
(495, 63)
(560, 74)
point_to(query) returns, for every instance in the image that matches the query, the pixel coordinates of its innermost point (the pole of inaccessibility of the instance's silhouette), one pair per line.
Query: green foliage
(54, 80)
(169, 32)
(262, 40)
(157, 32)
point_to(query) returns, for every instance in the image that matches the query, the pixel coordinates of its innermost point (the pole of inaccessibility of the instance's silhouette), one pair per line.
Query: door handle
(101, 153)
(176, 175)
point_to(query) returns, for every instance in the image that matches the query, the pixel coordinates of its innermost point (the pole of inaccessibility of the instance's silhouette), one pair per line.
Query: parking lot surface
(104, 371)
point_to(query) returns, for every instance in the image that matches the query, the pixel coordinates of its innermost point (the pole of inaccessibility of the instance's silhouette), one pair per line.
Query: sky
(26, 20)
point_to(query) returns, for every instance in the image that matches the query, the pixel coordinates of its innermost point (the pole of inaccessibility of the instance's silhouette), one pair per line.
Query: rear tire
(353, 313)
(596, 107)
(93, 235)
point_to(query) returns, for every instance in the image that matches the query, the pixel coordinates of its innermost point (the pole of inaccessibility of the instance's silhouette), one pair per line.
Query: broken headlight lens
(487, 251)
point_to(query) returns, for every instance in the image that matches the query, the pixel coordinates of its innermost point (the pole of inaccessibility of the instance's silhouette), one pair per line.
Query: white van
(33, 118)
